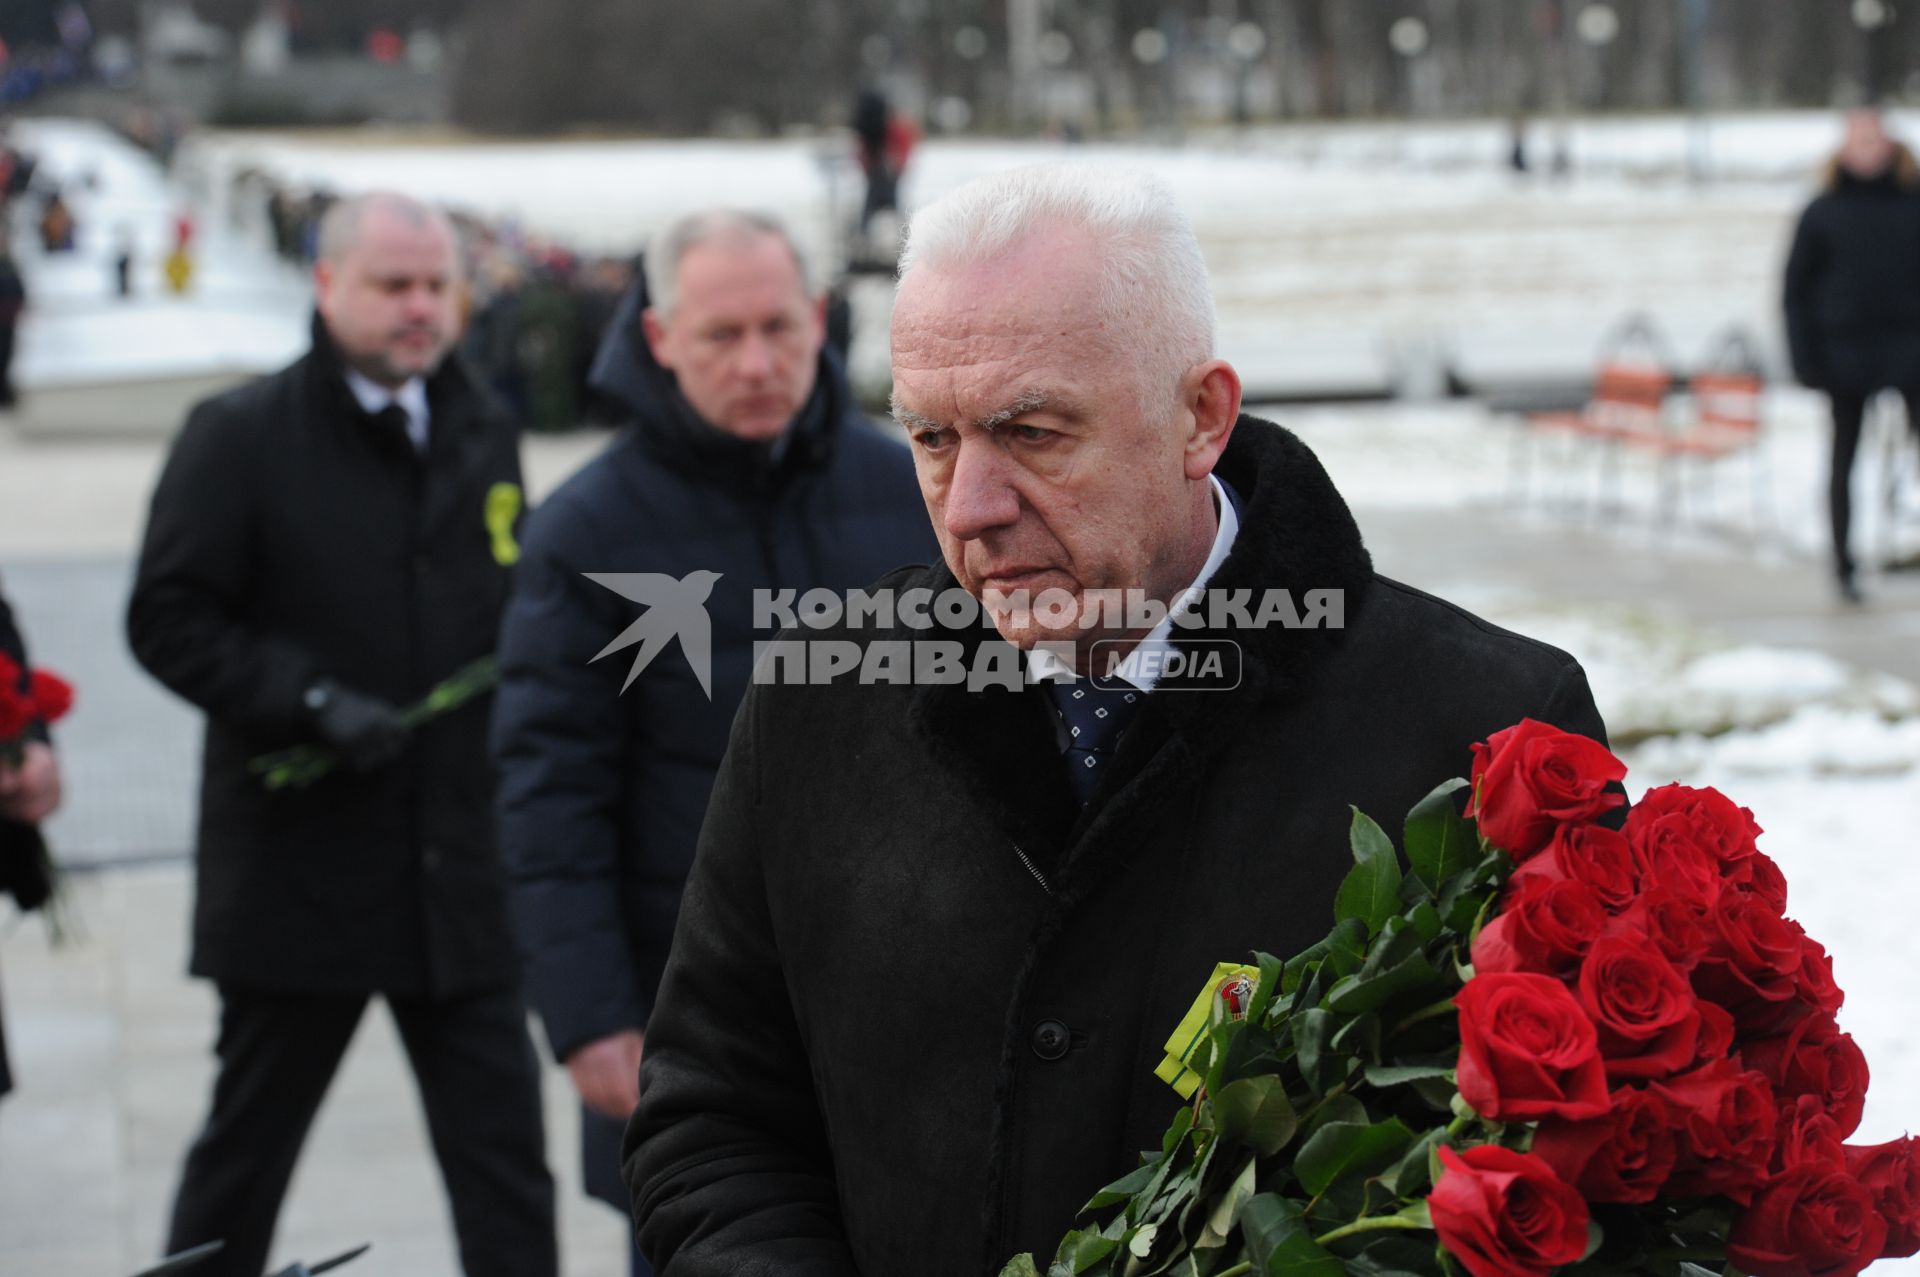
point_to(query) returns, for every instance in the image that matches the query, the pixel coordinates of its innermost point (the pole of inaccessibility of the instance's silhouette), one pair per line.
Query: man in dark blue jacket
(746, 458)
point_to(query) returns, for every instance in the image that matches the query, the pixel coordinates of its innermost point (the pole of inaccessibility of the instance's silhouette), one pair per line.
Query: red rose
(1643, 1011)
(1726, 1120)
(1815, 1058)
(1812, 1221)
(1752, 967)
(1544, 926)
(52, 696)
(1891, 1173)
(1714, 822)
(1504, 1214)
(16, 714)
(1590, 854)
(1671, 857)
(1815, 985)
(1527, 1050)
(1623, 1157)
(1677, 922)
(1759, 875)
(1716, 1034)
(1532, 777)
(1807, 1135)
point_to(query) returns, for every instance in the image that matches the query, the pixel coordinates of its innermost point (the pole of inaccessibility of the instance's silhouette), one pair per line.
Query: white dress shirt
(412, 397)
(1045, 664)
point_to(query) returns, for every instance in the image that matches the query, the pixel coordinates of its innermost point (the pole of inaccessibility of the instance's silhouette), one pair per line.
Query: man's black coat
(853, 1064)
(294, 537)
(1853, 283)
(603, 787)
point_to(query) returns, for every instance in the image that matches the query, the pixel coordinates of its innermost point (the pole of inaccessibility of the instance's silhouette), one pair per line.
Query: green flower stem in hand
(302, 765)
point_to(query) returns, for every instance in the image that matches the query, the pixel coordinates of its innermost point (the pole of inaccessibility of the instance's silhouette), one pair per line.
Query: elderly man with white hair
(937, 932)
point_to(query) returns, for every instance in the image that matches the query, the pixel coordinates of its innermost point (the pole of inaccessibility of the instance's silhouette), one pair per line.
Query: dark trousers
(1849, 414)
(479, 1084)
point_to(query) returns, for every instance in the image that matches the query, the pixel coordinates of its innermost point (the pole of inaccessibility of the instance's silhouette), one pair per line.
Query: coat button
(1051, 1040)
(430, 858)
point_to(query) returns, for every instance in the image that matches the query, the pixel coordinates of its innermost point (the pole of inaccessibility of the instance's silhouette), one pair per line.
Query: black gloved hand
(367, 732)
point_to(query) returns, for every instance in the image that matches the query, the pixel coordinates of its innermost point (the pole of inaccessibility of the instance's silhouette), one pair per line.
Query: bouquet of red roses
(28, 699)
(1548, 1044)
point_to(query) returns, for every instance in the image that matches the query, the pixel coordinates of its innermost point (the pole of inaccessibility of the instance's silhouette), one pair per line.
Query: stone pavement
(111, 1043)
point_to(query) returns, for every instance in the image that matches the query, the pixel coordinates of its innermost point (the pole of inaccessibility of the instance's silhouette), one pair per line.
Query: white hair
(1153, 283)
(670, 248)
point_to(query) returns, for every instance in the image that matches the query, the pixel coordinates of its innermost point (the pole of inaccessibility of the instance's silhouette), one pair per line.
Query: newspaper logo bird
(676, 608)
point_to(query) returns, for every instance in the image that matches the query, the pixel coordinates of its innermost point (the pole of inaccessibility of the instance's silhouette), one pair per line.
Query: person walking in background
(29, 793)
(1853, 301)
(745, 456)
(886, 140)
(325, 544)
(13, 302)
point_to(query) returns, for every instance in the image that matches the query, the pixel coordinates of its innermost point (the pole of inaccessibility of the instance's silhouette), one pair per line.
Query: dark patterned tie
(397, 419)
(1095, 711)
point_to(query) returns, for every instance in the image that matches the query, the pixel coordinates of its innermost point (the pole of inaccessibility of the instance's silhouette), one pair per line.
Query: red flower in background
(52, 696)
(1504, 1214)
(1813, 1221)
(26, 699)
(1531, 778)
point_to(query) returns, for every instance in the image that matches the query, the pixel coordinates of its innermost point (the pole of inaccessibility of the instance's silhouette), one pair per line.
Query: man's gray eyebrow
(1027, 401)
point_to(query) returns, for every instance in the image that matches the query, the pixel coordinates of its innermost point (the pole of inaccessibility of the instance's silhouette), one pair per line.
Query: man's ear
(1212, 396)
(323, 278)
(655, 333)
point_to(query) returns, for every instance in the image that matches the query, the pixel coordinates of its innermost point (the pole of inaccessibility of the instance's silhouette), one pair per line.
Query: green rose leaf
(1278, 1241)
(1342, 1148)
(1439, 843)
(1312, 1037)
(1272, 975)
(1020, 1266)
(1124, 1187)
(1082, 1251)
(1371, 892)
(1257, 1112)
(1396, 1075)
(1358, 994)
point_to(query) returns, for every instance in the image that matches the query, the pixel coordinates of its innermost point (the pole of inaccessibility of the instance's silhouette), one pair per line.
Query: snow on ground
(245, 312)
(1769, 504)
(1334, 267)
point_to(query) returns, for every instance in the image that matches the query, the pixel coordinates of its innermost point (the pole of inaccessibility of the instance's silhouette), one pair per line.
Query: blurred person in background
(29, 793)
(1853, 301)
(326, 545)
(13, 301)
(886, 140)
(745, 456)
